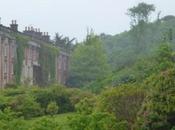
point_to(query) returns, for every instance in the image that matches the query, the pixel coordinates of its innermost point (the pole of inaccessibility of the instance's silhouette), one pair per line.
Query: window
(5, 49)
(5, 68)
(12, 51)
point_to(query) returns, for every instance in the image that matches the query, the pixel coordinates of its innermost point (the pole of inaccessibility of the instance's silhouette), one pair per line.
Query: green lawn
(62, 120)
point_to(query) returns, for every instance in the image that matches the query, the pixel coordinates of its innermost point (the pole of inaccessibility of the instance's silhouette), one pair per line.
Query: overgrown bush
(56, 94)
(26, 106)
(158, 111)
(9, 121)
(52, 108)
(96, 121)
(123, 101)
(45, 124)
(86, 106)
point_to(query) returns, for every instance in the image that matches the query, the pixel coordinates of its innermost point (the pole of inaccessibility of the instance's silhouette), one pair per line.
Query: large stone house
(30, 70)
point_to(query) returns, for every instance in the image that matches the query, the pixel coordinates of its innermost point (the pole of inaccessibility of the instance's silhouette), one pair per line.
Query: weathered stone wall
(62, 63)
(7, 54)
(31, 59)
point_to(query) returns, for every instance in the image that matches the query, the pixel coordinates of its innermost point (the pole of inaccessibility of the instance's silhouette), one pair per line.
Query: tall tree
(140, 13)
(63, 42)
(139, 18)
(88, 62)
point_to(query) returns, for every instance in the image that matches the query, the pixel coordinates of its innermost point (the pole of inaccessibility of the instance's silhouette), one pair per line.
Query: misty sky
(73, 17)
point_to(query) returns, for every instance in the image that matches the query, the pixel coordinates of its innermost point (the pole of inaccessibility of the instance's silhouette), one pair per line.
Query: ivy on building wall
(21, 42)
(47, 61)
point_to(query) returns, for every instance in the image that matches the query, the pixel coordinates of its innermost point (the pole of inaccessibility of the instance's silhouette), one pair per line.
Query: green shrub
(85, 106)
(45, 124)
(158, 111)
(96, 121)
(124, 102)
(26, 106)
(52, 108)
(56, 94)
(9, 121)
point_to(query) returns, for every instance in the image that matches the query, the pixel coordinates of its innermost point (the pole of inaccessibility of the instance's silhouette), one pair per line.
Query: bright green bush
(9, 121)
(86, 106)
(96, 121)
(45, 123)
(76, 95)
(52, 108)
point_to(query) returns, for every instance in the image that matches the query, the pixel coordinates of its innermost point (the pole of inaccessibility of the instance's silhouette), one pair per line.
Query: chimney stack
(14, 26)
(46, 36)
(35, 32)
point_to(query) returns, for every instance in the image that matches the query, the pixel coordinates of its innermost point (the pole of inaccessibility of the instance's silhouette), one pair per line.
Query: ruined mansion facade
(30, 70)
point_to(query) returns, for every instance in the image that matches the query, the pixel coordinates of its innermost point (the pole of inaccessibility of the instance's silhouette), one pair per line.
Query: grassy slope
(62, 119)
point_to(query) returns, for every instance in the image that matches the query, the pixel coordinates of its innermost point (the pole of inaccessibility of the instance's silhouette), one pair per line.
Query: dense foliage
(33, 102)
(88, 62)
(158, 111)
(123, 102)
(136, 93)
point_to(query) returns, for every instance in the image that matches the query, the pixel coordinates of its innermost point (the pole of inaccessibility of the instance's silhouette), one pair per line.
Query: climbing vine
(47, 61)
(21, 43)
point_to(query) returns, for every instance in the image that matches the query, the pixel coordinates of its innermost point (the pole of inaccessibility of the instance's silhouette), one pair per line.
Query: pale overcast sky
(72, 17)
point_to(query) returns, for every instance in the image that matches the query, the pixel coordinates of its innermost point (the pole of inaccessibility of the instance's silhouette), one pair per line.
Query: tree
(88, 62)
(140, 13)
(158, 111)
(165, 58)
(63, 42)
(139, 18)
(52, 108)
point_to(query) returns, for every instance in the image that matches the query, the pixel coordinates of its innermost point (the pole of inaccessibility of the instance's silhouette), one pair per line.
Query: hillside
(130, 60)
(122, 48)
(120, 82)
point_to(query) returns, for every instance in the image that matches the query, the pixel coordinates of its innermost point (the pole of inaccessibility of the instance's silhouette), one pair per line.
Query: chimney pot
(14, 26)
